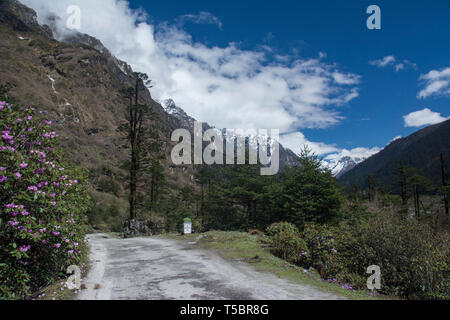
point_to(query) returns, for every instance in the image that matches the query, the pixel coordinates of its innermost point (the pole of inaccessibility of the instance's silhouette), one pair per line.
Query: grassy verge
(253, 250)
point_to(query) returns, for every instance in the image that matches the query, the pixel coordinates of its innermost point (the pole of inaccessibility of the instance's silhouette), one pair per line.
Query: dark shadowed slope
(420, 150)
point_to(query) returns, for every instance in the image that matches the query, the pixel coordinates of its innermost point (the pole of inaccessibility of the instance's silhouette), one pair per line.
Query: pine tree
(402, 181)
(310, 192)
(137, 135)
(417, 184)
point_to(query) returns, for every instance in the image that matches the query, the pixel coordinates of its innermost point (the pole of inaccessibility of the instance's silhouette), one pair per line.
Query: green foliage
(285, 240)
(108, 185)
(43, 203)
(239, 198)
(106, 212)
(321, 246)
(174, 212)
(414, 259)
(139, 135)
(157, 182)
(310, 193)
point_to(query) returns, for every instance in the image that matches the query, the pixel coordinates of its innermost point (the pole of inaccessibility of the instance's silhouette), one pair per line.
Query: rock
(135, 228)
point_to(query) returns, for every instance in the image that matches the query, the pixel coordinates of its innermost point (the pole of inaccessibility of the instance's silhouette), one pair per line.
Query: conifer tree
(138, 132)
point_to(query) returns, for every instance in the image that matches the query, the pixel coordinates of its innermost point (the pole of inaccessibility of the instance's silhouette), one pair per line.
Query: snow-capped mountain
(287, 157)
(342, 165)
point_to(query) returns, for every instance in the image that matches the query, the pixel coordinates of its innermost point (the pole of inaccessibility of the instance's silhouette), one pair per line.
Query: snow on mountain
(287, 157)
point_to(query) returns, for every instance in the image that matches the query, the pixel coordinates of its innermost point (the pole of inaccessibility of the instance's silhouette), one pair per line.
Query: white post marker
(187, 226)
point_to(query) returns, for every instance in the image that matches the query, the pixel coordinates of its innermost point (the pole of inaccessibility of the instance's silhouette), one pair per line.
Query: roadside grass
(254, 250)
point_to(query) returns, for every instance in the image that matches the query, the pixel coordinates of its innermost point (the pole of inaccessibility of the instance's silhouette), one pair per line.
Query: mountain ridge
(420, 150)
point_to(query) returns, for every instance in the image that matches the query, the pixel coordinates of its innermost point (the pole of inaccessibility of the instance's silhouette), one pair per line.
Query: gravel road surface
(160, 269)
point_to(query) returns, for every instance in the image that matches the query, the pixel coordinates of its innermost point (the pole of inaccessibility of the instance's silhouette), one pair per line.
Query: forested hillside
(421, 150)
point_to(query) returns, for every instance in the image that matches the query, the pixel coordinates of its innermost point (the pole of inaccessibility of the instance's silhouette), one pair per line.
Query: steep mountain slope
(76, 84)
(420, 150)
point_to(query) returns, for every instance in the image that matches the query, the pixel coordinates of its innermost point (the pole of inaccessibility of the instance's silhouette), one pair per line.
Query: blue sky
(384, 74)
(418, 31)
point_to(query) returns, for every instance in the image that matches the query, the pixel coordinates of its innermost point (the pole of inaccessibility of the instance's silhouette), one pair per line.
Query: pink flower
(18, 175)
(33, 188)
(53, 195)
(39, 171)
(47, 122)
(25, 213)
(3, 179)
(2, 168)
(25, 248)
(58, 245)
(23, 165)
(14, 223)
(6, 136)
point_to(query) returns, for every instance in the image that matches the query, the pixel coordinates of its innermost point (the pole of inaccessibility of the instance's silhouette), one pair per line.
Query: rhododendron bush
(43, 202)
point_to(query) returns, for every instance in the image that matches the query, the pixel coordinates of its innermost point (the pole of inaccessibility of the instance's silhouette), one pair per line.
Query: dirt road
(160, 269)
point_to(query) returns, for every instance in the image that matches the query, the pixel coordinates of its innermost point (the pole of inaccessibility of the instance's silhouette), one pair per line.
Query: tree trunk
(416, 200)
(404, 192)
(133, 187)
(444, 184)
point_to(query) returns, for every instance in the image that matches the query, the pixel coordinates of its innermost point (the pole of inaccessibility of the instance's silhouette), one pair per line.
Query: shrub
(286, 241)
(321, 249)
(43, 200)
(414, 259)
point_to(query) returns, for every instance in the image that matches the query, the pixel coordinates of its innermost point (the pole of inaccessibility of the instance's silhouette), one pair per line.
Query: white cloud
(330, 153)
(225, 86)
(399, 67)
(356, 154)
(436, 83)
(423, 118)
(383, 62)
(392, 61)
(396, 138)
(202, 17)
(297, 140)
